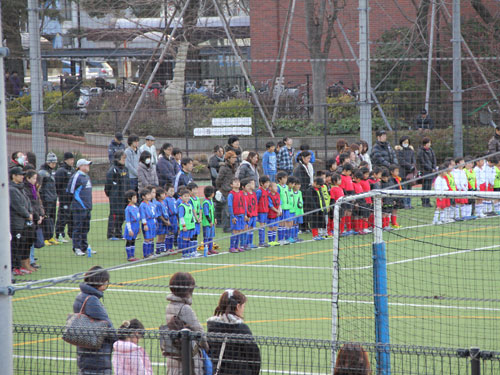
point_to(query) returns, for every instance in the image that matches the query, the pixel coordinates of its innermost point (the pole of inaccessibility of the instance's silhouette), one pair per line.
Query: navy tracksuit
(80, 187)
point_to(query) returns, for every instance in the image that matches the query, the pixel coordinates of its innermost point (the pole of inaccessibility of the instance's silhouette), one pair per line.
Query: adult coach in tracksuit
(117, 183)
(80, 187)
(63, 175)
(48, 194)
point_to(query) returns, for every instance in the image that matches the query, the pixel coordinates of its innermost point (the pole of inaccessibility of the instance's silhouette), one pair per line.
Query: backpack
(170, 342)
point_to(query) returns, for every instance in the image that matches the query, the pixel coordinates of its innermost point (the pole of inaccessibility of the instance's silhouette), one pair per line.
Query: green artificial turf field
(442, 285)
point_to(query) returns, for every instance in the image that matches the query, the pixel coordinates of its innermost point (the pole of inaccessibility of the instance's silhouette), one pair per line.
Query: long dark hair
(229, 301)
(352, 359)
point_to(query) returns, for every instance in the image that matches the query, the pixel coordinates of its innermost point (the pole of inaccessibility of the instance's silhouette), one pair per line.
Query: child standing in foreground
(248, 186)
(348, 187)
(128, 357)
(162, 219)
(237, 211)
(208, 221)
(479, 170)
(282, 178)
(387, 202)
(173, 228)
(187, 226)
(196, 204)
(148, 219)
(471, 186)
(441, 215)
(289, 237)
(274, 203)
(269, 161)
(398, 202)
(297, 209)
(336, 192)
(263, 208)
(132, 220)
(314, 201)
(461, 184)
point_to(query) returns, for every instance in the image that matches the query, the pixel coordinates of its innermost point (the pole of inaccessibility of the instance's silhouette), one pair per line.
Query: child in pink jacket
(128, 357)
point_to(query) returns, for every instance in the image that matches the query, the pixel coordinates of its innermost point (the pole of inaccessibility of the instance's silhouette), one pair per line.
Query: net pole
(5, 266)
(380, 293)
(335, 281)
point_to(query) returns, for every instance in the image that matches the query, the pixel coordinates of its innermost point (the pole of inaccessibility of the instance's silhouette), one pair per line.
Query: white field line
(328, 300)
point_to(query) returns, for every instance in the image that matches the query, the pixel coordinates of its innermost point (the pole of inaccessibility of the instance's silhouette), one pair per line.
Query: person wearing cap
(132, 161)
(80, 188)
(150, 147)
(114, 146)
(494, 142)
(63, 175)
(223, 183)
(117, 183)
(48, 194)
(383, 154)
(423, 121)
(22, 229)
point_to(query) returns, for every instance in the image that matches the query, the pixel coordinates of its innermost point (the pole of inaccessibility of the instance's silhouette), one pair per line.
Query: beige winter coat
(188, 316)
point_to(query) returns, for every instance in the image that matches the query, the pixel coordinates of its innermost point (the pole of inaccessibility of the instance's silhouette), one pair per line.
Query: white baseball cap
(81, 162)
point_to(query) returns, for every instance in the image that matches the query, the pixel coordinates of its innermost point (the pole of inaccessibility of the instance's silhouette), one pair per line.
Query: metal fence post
(186, 129)
(186, 354)
(325, 129)
(475, 361)
(380, 293)
(335, 281)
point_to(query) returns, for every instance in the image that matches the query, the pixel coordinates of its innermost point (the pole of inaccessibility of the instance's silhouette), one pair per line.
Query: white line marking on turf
(257, 265)
(425, 257)
(329, 300)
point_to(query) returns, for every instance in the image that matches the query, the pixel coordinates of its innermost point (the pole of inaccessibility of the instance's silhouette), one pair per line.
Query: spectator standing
(114, 146)
(21, 224)
(184, 176)
(383, 154)
(241, 356)
(269, 162)
(15, 84)
(132, 161)
(426, 161)
(364, 155)
(423, 121)
(150, 146)
(215, 162)
(117, 181)
(80, 187)
(63, 175)
(248, 167)
(223, 184)
(30, 162)
(146, 172)
(285, 156)
(494, 142)
(18, 159)
(166, 165)
(97, 361)
(304, 171)
(233, 144)
(407, 161)
(8, 85)
(48, 193)
(31, 191)
(177, 154)
(182, 285)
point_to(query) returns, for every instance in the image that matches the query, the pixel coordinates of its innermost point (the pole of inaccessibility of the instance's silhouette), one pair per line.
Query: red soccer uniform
(263, 205)
(251, 204)
(358, 189)
(239, 203)
(276, 202)
(365, 184)
(336, 192)
(346, 184)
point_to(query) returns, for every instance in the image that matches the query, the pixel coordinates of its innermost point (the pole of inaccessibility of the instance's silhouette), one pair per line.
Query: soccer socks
(249, 238)
(130, 251)
(281, 233)
(357, 225)
(436, 216)
(169, 242)
(386, 221)
(271, 235)
(314, 232)
(145, 249)
(160, 247)
(394, 220)
(262, 235)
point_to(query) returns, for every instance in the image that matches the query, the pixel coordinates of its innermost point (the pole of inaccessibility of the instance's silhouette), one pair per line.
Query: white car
(93, 69)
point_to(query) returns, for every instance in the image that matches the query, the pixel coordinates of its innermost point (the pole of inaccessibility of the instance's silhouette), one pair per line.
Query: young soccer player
(398, 202)
(208, 221)
(387, 202)
(314, 201)
(326, 197)
(132, 220)
(297, 210)
(361, 211)
(237, 211)
(479, 170)
(489, 170)
(289, 237)
(248, 186)
(269, 161)
(263, 208)
(187, 225)
(196, 203)
(496, 183)
(162, 220)
(365, 184)
(347, 186)
(461, 184)
(148, 220)
(284, 225)
(471, 186)
(336, 192)
(173, 228)
(442, 213)
(274, 213)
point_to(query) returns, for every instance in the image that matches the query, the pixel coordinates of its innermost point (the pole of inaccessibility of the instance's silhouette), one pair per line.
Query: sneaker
(186, 256)
(284, 242)
(114, 239)
(367, 231)
(53, 241)
(389, 228)
(240, 249)
(252, 246)
(299, 240)
(196, 255)
(24, 271)
(233, 250)
(78, 252)
(34, 265)
(395, 226)
(460, 219)
(132, 259)
(274, 243)
(291, 240)
(17, 272)
(47, 243)
(318, 238)
(437, 222)
(61, 239)
(481, 215)
(264, 245)
(213, 252)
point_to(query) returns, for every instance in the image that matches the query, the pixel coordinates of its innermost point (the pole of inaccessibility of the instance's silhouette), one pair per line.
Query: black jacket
(63, 175)
(424, 123)
(99, 359)
(406, 158)
(114, 147)
(426, 160)
(117, 183)
(383, 155)
(47, 179)
(165, 169)
(313, 199)
(36, 203)
(20, 207)
(300, 172)
(214, 164)
(241, 355)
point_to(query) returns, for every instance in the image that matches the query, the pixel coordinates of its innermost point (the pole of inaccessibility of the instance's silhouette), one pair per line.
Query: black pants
(226, 222)
(115, 222)
(63, 219)
(50, 218)
(20, 245)
(426, 185)
(81, 227)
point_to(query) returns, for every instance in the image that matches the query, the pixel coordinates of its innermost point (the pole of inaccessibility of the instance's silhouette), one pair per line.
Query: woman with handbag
(182, 286)
(31, 189)
(98, 361)
(232, 355)
(406, 157)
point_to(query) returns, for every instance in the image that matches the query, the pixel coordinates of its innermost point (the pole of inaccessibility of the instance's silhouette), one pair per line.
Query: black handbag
(170, 342)
(83, 331)
(39, 240)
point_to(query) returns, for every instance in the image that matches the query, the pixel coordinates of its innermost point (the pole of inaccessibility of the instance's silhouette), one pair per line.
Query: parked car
(93, 69)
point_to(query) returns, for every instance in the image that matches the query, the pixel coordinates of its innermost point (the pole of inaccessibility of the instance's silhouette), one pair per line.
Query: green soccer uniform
(208, 221)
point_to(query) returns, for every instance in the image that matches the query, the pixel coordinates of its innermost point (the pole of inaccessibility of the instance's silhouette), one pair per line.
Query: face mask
(20, 160)
(405, 145)
(148, 161)
(356, 152)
